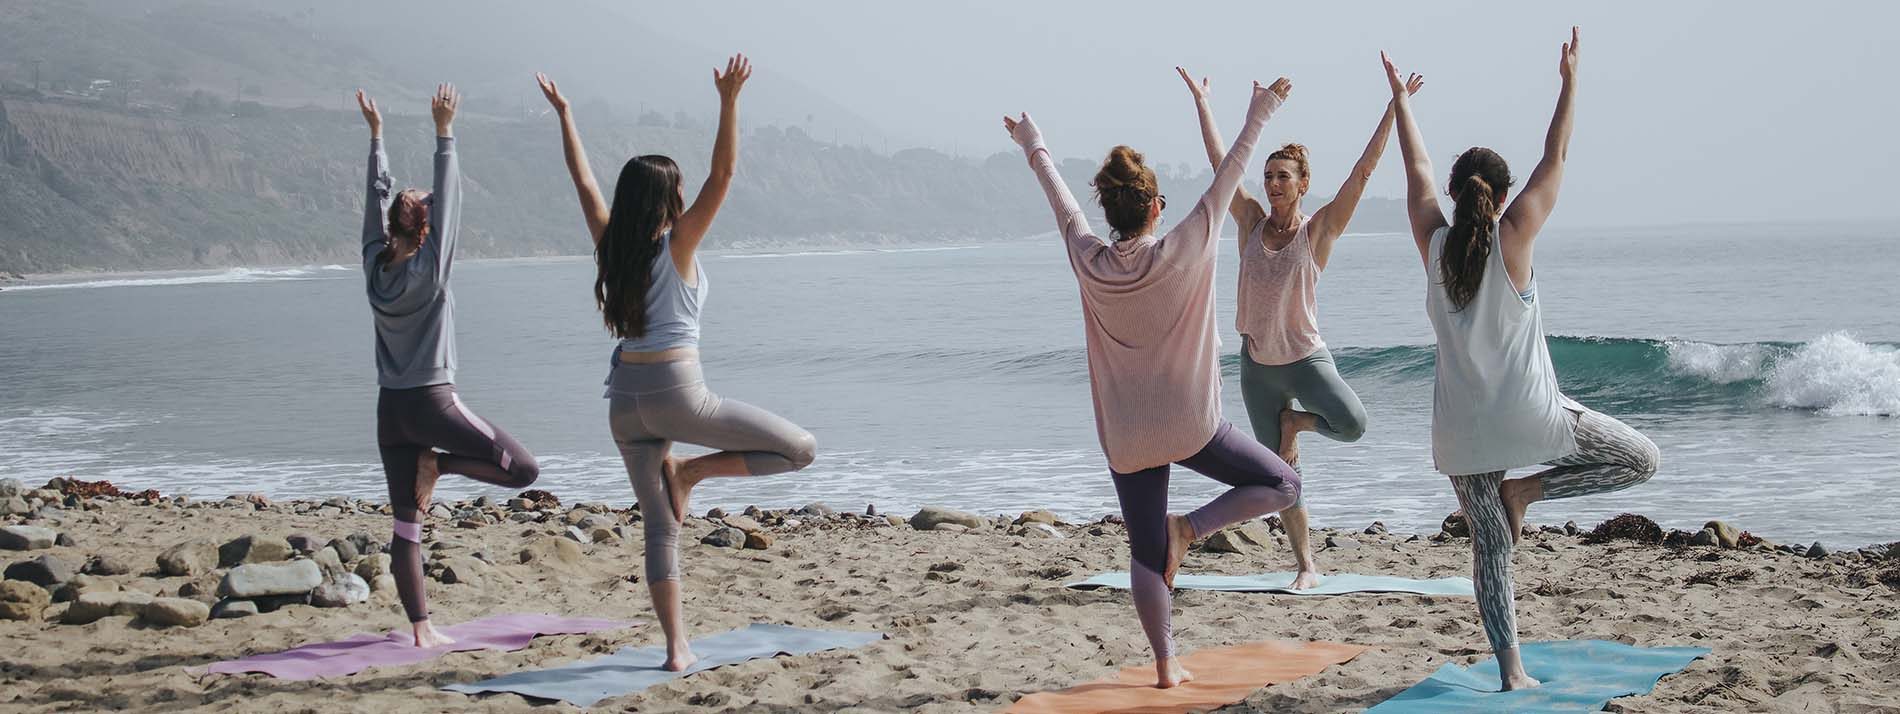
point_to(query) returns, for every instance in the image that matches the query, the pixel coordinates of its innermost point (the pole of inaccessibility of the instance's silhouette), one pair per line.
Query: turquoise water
(1762, 359)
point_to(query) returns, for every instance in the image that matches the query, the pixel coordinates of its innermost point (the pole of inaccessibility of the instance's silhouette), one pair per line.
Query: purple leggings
(411, 420)
(1262, 484)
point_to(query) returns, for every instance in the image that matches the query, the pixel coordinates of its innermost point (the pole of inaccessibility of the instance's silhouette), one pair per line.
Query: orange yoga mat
(1222, 676)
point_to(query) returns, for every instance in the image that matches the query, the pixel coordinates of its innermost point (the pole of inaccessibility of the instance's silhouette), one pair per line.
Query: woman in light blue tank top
(650, 289)
(1496, 403)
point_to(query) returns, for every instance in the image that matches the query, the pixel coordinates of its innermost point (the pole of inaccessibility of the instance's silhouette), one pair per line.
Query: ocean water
(1764, 360)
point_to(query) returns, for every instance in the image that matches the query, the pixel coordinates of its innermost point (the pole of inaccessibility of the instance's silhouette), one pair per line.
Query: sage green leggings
(1315, 383)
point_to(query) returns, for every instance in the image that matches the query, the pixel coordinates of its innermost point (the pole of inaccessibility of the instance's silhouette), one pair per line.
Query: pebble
(1705, 537)
(21, 600)
(175, 612)
(595, 521)
(372, 567)
(27, 538)
(81, 585)
(929, 517)
(1726, 535)
(744, 524)
(577, 535)
(106, 564)
(606, 535)
(226, 609)
(724, 538)
(45, 571)
(870, 509)
(815, 510)
(1244, 537)
(758, 541)
(253, 549)
(303, 543)
(1454, 525)
(1341, 542)
(1044, 517)
(520, 504)
(204, 589)
(345, 550)
(92, 607)
(715, 514)
(340, 590)
(1816, 551)
(383, 583)
(258, 580)
(328, 561)
(1377, 528)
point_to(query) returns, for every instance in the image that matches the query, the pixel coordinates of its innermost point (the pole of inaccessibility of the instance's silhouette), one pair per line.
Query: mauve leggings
(1262, 484)
(410, 420)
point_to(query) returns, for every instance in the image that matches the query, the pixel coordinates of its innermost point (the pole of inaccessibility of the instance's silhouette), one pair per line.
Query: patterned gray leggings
(1610, 456)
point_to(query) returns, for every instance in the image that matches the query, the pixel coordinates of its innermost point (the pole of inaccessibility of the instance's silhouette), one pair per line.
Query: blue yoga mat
(1577, 676)
(635, 668)
(1339, 584)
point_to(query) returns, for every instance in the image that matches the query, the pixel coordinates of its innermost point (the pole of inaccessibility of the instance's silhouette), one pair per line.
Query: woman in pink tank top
(1282, 358)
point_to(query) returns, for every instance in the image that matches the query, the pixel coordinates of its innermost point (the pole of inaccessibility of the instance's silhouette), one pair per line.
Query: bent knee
(525, 472)
(1352, 430)
(802, 450)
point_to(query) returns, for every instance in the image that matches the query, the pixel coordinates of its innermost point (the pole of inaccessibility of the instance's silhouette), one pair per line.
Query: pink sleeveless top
(1278, 314)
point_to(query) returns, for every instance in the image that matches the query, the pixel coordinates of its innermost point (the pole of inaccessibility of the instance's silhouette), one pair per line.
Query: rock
(1705, 537)
(27, 538)
(1570, 528)
(329, 562)
(383, 583)
(373, 567)
(1816, 551)
(870, 509)
(44, 571)
(440, 512)
(175, 612)
(715, 514)
(817, 510)
(258, 580)
(552, 550)
(106, 564)
(464, 570)
(274, 603)
(21, 600)
(11, 488)
(1045, 517)
(345, 550)
(227, 609)
(203, 589)
(1243, 537)
(14, 506)
(81, 585)
(1677, 538)
(595, 521)
(758, 541)
(483, 502)
(1455, 526)
(605, 535)
(1728, 536)
(745, 524)
(367, 544)
(340, 590)
(895, 520)
(1377, 528)
(725, 538)
(951, 528)
(1041, 530)
(253, 549)
(92, 607)
(520, 504)
(303, 543)
(1341, 542)
(930, 516)
(577, 535)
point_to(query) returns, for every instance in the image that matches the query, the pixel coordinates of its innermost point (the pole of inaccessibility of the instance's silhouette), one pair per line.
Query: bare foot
(428, 470)
(1517, 494)
(1180, 536)
(1291, 424)
(1169, 673)
(1511, 671)
(679, 661)
(1520, 681)
(427, 637)
(1306, 580)
(676, 490)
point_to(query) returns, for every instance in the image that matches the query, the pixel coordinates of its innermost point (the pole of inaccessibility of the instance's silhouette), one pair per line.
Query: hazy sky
(1687, 111)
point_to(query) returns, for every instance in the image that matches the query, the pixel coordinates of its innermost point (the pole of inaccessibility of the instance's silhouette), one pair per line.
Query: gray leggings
(653, 405)
(1610, 456)
(1315, 382)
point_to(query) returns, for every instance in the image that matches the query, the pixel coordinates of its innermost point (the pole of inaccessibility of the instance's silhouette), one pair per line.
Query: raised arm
(1245, 208)
(1192, 240)
(1521, 222)
(1331, 219)
(693, 224)
(1421, 201)
(376, 196)
(1070, 220)
(593, 207)
(445, 204)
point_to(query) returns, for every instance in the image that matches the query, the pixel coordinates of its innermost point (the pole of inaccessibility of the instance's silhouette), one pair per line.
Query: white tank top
(1495, 402)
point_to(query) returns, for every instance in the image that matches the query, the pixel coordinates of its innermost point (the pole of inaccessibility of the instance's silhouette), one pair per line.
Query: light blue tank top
(672, 305)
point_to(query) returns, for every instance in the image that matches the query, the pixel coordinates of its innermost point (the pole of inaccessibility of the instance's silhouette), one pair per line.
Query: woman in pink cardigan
(1154, 371)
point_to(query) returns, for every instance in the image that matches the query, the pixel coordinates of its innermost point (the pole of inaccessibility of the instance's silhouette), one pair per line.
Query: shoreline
(974, 608)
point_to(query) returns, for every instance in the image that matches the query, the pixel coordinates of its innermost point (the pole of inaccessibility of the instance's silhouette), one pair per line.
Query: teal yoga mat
(1577, 676)
(635, 668)
(1340, 584)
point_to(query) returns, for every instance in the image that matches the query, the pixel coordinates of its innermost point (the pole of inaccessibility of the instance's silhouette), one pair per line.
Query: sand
(974, 620)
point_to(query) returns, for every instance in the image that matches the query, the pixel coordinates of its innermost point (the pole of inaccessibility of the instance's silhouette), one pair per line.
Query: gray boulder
(253, 549)
(175, 612)
(188, 558)
(929, 516)
(258, 580)
(233, 608)
(726, 537)
(341, 590)
(45, 571)
(27, 538)
(92, 607)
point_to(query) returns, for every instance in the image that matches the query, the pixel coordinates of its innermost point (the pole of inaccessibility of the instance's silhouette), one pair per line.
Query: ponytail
(1479, 179)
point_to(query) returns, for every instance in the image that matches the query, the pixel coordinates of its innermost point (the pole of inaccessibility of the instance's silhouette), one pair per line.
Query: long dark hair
(646, 203)
(1479, 179)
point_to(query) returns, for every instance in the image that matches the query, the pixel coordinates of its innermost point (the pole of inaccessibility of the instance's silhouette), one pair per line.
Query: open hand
(1567, 66)
(1280, 88)
(738, 70)
(1200, 90)
(1392, 76)
(552, 92)
(1414, 83)
(371, 114)
(442, 106)
(1023, 130)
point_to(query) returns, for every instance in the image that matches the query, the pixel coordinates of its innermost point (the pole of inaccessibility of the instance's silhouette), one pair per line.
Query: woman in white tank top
(1496, 403)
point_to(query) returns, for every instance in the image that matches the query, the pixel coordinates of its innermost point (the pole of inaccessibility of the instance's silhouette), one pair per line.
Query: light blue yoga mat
(1340, 584)
(635, 668)
(1577, 676)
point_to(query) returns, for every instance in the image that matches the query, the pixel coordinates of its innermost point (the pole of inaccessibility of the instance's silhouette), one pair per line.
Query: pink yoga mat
(359, 652)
